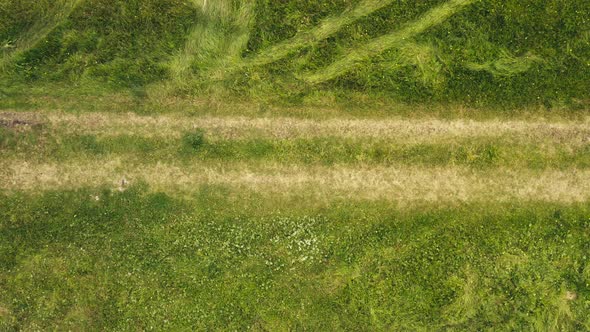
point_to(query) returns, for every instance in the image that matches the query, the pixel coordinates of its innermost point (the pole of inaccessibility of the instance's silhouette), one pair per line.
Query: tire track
(406, 130)
(396, 184)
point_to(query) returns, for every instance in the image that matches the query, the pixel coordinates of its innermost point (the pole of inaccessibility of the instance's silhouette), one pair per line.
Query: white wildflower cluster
(300, 237)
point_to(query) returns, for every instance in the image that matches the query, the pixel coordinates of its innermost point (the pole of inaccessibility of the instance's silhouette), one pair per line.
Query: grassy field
(294, 165)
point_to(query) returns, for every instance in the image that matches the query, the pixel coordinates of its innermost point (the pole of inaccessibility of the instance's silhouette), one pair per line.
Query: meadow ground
(361, 165)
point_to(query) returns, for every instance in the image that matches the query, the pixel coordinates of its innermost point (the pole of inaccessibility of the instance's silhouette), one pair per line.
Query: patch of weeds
(18, 141)
(90, 143)
(194, 140)
(479, 155)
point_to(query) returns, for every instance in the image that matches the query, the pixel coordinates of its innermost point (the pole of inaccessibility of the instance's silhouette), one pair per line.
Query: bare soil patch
(18, 120)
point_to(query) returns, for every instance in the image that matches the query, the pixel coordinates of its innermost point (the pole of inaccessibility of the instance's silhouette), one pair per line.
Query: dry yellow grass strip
(399, 184)
(408, 130)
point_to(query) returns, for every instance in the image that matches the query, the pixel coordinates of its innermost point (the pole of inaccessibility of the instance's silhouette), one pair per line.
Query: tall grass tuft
(215, 42)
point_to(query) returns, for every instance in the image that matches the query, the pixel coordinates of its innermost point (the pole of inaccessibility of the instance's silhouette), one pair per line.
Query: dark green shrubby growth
(194, 140)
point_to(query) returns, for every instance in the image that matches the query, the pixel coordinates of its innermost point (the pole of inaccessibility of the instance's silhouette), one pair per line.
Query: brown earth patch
(18, 120)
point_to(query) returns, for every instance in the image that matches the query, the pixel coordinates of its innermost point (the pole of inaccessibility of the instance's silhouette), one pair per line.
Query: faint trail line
(381, 44)
(398, 183)
(415, 130)
(326, 28)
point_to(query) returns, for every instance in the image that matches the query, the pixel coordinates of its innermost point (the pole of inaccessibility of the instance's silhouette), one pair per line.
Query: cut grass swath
(211, 46)
(381, 44)
(279, 51)
(327, 28)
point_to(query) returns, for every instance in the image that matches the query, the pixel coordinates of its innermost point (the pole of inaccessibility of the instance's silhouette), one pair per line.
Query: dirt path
(402, 183)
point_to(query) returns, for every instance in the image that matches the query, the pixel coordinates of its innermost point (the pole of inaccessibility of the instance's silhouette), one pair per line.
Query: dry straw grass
(400, 183)
(403, 130)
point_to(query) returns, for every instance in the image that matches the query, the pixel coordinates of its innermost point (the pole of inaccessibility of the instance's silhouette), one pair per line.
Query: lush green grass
(492, 52)
(118, 42)
(306, 224)
(95, 259)
(499, 54)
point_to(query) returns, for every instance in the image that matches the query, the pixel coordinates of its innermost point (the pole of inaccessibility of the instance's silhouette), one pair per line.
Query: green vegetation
(297, 165)
(499, 54)
(194, 147)
(96, 259)
(193, 140)
(120, 42)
